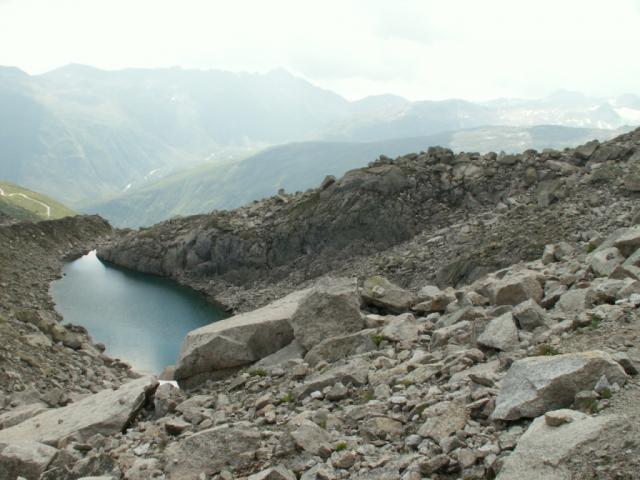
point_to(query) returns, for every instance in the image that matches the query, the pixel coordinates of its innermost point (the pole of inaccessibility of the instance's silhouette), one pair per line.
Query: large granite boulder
(543, 451)
(500, 334)
(212, 450)
(536, 385)
(219, 349)
(106, 412)
(331, 308)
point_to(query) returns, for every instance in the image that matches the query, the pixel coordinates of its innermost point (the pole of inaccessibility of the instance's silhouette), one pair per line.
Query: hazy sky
(473, 49)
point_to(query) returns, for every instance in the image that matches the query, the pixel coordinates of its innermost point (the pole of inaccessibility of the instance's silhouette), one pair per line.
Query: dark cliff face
(367, 210)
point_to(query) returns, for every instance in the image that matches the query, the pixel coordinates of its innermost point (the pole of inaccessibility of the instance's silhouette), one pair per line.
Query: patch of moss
(287, 398)
(340, 446)
(377, 339)
(258, 372)
(547, 350)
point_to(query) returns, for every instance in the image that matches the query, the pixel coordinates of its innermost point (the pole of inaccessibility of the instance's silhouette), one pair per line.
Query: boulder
(402, 328)
(25, 459)
(529, 316)
(336, 348)
(629, 241)
(604, 262)
(501, 333)
(380, 292)
(274, 473)
(544, 450)
(106, 412)
(211, 450)
(20, 414)
(443, 420)
(311, 438)
(459, 333)
(536, 385)
(331, 308)
(574, 302)
(216, 350)
(514, 288)
(432, 299)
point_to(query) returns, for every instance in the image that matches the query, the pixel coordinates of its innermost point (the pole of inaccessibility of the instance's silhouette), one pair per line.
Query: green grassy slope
(24, 204)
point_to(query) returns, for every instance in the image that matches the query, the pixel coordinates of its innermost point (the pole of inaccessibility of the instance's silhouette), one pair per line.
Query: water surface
(142, 319)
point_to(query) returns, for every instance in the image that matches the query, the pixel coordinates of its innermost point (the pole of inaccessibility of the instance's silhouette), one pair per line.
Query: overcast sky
(420, 49)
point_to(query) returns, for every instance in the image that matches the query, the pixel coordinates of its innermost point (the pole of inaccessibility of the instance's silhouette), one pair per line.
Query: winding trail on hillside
(47, 207)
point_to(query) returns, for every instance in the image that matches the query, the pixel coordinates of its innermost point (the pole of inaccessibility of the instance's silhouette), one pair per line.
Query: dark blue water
(142, 319)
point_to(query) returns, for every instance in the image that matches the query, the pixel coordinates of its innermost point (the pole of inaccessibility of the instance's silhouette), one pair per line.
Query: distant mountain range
(298, 166)
(89, 136)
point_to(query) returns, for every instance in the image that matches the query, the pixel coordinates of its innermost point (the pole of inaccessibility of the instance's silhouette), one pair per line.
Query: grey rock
(274, 473)
(529, 316)
(381, 427)
(312, 439)
(211, 450)
(166, 398)
(604, 262)
(106, 412)
(536, 385)
(331, 308)
(216, 350)
(336, 348)
(501, 333)
(20, 414)
(292, 352)
(432, 299)
(514, 288)
(459, 333)
(626, 363)
(354, 372)
(27, 459)
(380, 292)
(543, 451)
(444, 419)
(402, 328)
(629, 241)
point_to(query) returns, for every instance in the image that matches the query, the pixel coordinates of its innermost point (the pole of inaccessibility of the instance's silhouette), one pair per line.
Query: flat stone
(629, 241)
(211, 450)
(380, 292)
(312, 438)
(274, 473)
(292, 352)
(444, 419)
(336, 348)
(536, 385)
(543, 451)
(20, 414)
(106, 412)
(354, 372)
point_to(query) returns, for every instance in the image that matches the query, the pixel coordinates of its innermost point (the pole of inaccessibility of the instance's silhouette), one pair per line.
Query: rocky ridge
(412, 219)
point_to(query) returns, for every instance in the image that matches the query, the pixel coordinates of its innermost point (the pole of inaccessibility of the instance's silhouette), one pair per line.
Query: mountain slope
(299, 166)
(23, 204)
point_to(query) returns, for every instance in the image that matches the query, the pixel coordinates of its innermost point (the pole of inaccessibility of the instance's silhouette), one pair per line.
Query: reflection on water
(141, 319)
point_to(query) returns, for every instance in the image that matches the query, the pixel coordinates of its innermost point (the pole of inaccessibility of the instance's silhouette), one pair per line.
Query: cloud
(415, 48)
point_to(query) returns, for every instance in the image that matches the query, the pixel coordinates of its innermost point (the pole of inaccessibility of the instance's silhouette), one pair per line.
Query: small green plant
(367, 396)
(258, 372)
(592, 407)
(606, 393)
(406, 382)
(377, 339)
(340, 446)
(595, 321)
(591, 247)
(548, 350)
(323, 423)
(287, 398)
